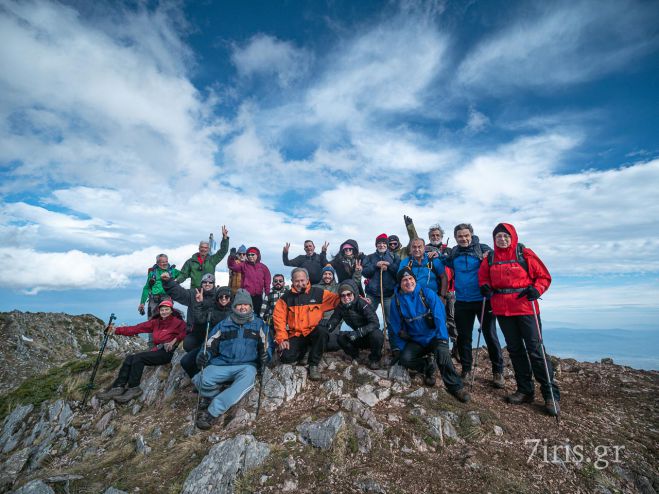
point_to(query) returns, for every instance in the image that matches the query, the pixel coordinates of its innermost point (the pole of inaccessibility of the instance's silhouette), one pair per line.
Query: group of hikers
(429, 294)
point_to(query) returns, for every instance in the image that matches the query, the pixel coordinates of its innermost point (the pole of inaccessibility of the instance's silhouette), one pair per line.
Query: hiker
(201, 263)
(153, 290)
(395, 247)
(464, 260)
(279, 287)
(238, 348)
(186, 296)
(297, 316)
(328, 282)
(218, 311)
(360, 316)
(381, 265)
(236, 277)
(311, 261)
(428, 272)
(418, 335)
(168, 329)
(255, 275)
(347, 263)
(515, 277)
(434, 248)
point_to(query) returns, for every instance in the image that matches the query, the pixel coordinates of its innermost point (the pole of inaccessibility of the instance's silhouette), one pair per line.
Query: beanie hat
(406, 270)
(208, 277)
(253, 250)
(223, 290)
(166, 303)
(242, 296)
(500, 228)
(381, 238)
(328, 268)
(242, 249)
(393, 238)
(347, 285)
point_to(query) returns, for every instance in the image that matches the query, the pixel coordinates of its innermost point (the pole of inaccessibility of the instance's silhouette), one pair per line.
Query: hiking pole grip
(201, 371)
(106, 335)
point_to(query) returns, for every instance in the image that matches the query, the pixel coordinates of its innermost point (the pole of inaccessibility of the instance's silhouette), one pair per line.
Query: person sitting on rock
(298, 315)
(168, 329)
(418, 334)
(237, 348)
(359, 315)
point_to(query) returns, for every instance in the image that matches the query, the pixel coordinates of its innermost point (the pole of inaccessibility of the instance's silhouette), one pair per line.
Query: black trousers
(373, 340)
(257, 302)
(526, 355)
(413, 357)
(314, 341)
(465, 314)
(451, 324)
(131, 370)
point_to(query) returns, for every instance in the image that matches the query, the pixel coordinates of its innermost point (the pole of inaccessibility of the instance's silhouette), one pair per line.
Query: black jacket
(360, 315)
(342, 269)
(314, 264)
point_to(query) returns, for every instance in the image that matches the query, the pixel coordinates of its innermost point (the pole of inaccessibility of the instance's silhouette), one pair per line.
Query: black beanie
(500, 228)
(403, 272)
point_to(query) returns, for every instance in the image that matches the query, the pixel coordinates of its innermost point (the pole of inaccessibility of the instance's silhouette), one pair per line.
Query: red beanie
(381, 238)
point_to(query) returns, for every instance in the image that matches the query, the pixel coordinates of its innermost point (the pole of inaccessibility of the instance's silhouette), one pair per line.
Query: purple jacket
(256, 276)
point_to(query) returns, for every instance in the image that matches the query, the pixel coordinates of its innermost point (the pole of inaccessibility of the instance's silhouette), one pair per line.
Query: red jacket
(164, 330)
(513, 275)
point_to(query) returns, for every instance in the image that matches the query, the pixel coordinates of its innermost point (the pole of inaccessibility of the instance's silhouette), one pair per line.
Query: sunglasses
(393, 243)
(348, 249)
(224, 296)
(346, 294)
(278, 282)
(207, 283)
(251, 254)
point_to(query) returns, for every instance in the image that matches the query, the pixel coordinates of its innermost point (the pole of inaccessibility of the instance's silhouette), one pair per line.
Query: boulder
(321, 434)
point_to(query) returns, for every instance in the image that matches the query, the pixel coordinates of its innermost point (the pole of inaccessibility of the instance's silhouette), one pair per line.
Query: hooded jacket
(186, 297)
(358, 314)
(230, 343)
(164, 330)
(410, 317)
(372, 273)
(196, 267)
(255, 276)
(344, 269)
(217, 312)
(313, 264)
(153, 285)
(506, 273)
(298, 314)
(425, 276)
(465, 263)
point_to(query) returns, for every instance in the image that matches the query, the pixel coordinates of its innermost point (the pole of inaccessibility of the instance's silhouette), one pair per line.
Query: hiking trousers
(373, 341)
(465, 314)
(192, 343)
(526, 355)
(131, 370)
(413, 356)
(386, 308)
(209, 381)
(314, 341)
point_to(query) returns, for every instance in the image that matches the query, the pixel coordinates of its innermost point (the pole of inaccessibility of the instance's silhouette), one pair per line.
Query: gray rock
(241, 418)
(418, 412)
(14, 419)
(417, 394)
(136, 409)
(114, 490)
(435, 428)
(291, 464)
(366, 395)
(109, 431)
(289, 486)
(498, 431)
(333, 388)
(216, 474)
(355, 407)
(176, 376)
(449, 416)
(474, 418)
(103, 423)
(607, 360)
(369, 374)
(364, 443)
(289, 437)
(141, 446)
(347, 373)
(399, 374)
(156, 432)
(449, 431)
(35, 487)
(12, 467)
(282, 384)
(322, 434)
(370, 486)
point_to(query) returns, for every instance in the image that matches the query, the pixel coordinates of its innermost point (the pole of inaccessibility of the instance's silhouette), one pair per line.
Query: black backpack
(519, 258)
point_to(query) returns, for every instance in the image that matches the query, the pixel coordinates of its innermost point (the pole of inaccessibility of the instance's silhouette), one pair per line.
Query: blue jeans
(243, 377)
(375, 303)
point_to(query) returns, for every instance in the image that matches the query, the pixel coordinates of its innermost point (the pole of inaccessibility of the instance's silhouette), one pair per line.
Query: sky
(129, 129)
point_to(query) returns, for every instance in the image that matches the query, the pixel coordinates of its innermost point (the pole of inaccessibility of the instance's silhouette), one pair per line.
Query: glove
(486, 291)
(403, 335)
(141, 310)
(408, 220)
(203, 358)
(531, 293)
(232, 252)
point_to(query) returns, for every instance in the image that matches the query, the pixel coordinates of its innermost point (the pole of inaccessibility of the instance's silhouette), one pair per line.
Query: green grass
(38, 389)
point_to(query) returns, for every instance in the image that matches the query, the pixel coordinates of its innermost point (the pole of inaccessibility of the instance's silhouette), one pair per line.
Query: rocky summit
(355, 431)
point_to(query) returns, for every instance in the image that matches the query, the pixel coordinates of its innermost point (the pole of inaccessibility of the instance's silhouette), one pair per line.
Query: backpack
(429, 265)
(477, 251)
(428, 314)
(151, 273)
(519, 258)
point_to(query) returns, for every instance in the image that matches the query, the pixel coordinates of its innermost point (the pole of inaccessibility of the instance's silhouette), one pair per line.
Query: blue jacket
(425, 276)
(410, 317)
(465, 263)
(372, 272)
(233, 344)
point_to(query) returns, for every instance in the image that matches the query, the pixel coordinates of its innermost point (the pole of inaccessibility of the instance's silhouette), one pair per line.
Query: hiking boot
(205, 420)
(204, 403)
(466, 376)
(128, 395)
(518, 398)
(374, 364)
(455, 353)
(498, 381)
(314, 373)
(429, 373)
(304, 360)
(549, 408)
(108, 394)
(462, 395)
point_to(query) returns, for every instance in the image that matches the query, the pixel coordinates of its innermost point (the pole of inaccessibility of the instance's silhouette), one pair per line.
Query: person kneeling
(417, 333)
(359, 315)
(237, 348)
(168, 330)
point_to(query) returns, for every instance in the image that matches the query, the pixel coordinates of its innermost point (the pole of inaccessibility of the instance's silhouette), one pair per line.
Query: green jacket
(153, 284)
(195, 271)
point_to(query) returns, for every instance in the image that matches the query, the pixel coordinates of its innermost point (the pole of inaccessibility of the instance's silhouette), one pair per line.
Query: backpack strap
(519, 258)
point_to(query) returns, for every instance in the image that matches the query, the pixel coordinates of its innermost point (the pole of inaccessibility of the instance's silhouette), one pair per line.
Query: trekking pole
(544, 360)
(384, 317)
(478, 344)
(90, 385)
(264, 340)
(201, 379)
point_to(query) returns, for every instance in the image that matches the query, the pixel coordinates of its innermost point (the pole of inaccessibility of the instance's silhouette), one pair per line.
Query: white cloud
(268, 56)
(564, 43)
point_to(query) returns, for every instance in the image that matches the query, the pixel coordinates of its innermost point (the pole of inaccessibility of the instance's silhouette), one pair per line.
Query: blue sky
(129, 130)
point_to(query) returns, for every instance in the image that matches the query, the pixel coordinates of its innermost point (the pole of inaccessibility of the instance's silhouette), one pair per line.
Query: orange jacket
(298, 314)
